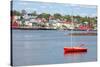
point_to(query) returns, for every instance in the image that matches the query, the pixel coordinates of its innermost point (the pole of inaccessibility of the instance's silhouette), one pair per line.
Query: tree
(44, 15)
(57, 16)
(34, 13)
(17, 13)
(23, 12)
(68, 17)
(78, 18)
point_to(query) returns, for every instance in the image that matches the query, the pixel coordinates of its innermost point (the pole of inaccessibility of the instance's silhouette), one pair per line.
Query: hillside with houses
(34, 20)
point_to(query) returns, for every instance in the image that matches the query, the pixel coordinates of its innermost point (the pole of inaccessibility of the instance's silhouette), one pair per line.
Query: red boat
(74, 49)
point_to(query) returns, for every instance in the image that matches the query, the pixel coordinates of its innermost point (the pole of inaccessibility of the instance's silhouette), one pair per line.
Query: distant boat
(83, 34)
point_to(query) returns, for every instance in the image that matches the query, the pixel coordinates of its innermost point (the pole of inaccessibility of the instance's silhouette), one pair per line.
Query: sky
(62, 8)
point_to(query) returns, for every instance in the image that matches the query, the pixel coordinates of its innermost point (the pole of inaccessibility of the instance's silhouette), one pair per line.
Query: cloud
(87, 6)
(82, 6)
(43, 6)
(90, 15)
(24, 3)
(93, 15)
(29, 8)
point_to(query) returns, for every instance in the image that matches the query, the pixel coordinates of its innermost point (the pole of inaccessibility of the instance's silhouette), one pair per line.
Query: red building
(85, 27)
(14, 23)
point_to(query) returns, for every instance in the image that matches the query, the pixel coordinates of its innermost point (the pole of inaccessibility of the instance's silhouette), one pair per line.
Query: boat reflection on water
(74, 56)
(74, 53)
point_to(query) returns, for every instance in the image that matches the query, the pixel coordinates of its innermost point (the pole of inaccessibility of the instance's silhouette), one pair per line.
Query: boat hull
(74, 49)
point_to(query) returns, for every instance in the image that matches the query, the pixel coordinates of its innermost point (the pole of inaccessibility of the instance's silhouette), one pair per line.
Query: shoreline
(47, 29)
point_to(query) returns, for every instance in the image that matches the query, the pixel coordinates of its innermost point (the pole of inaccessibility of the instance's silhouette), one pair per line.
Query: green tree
(34, 13)
(17, 13)
(68, 17)
(57, 16)
(23, 12)
(44, 15)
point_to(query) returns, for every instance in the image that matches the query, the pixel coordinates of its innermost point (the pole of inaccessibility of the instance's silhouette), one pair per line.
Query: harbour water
(36, 47)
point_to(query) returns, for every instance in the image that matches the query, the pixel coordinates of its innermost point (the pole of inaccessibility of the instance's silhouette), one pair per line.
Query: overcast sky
(62, 8)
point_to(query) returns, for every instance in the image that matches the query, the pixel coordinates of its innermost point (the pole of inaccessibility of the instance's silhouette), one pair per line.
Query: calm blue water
(35, 47)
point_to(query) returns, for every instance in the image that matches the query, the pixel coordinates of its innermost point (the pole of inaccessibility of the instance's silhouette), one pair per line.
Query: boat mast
(71, 28)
